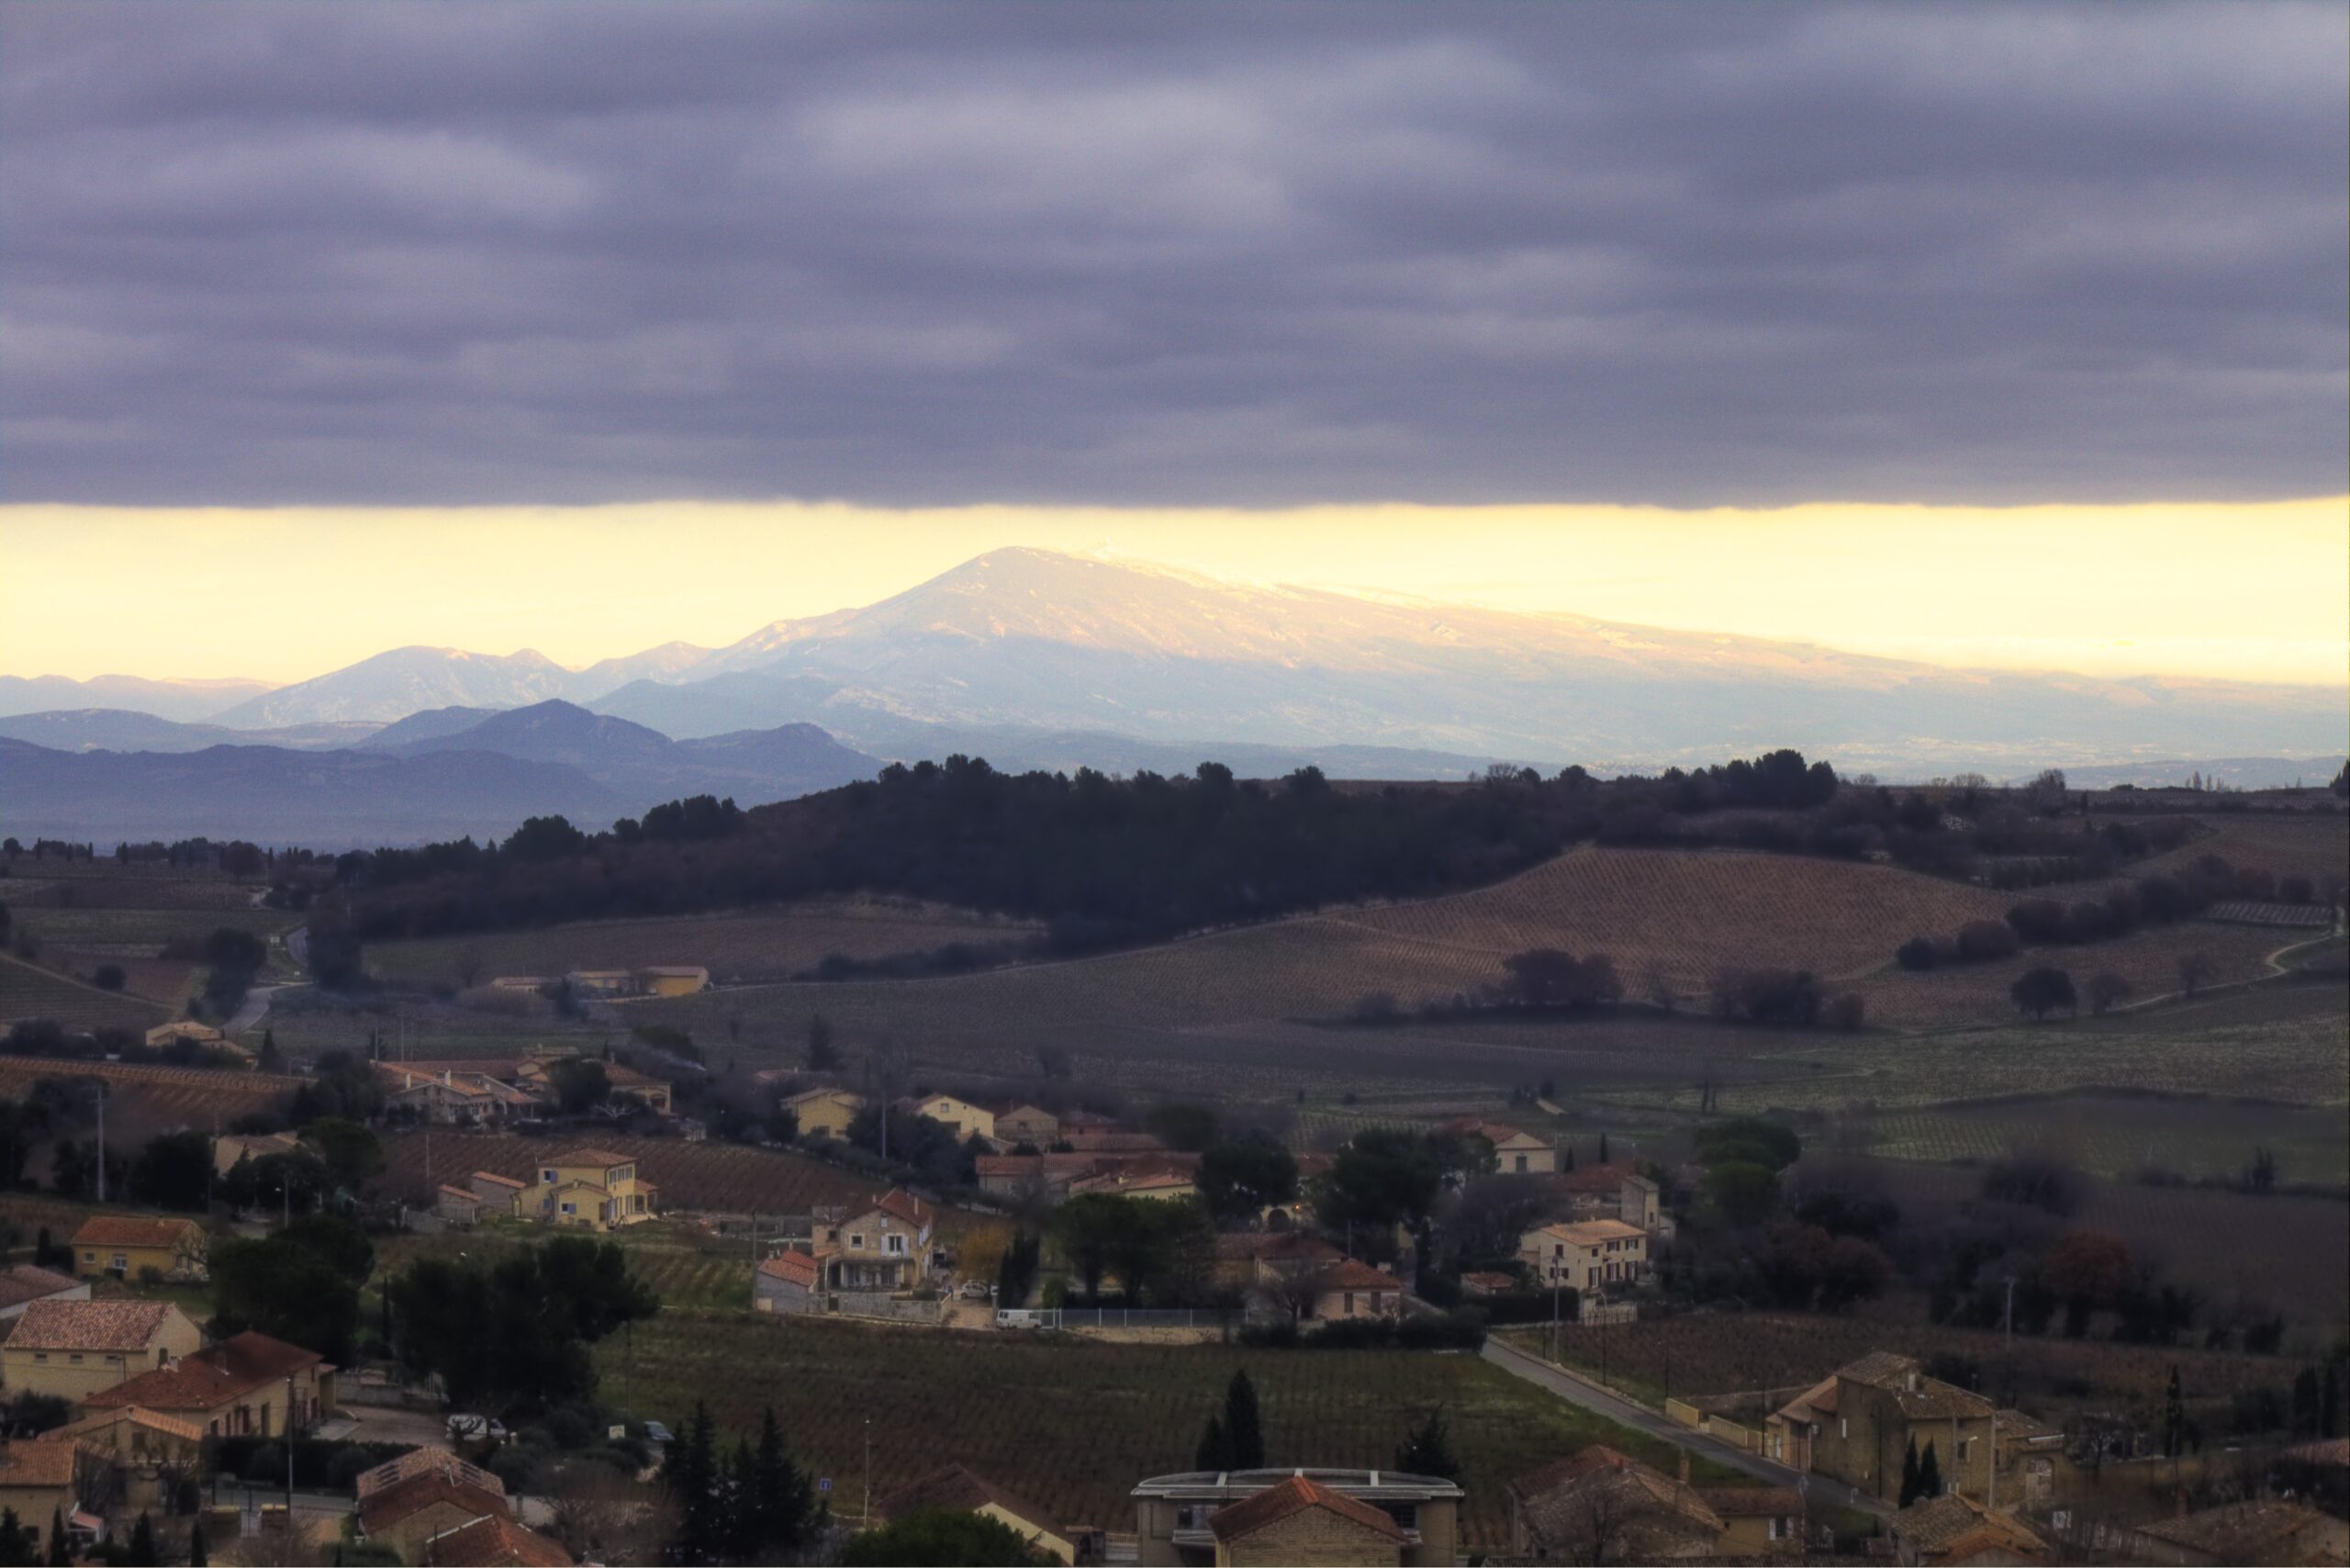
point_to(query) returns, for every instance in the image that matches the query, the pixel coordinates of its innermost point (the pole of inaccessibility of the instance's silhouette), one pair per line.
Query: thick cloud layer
(439, 254)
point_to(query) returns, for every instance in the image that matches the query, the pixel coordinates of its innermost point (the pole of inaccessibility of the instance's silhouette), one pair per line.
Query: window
(623, 1172)
(121, 1264)
(547, 1176)
(1843, 1426)
(1779, 1529)
(1350, 1304)
(73, 1359)
(40, 1355)
(1964, 1444)
(896, 1246)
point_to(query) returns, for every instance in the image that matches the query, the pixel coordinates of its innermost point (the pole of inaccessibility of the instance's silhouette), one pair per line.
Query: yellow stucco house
(957, 1489)
(75, 1349)
(966, 1119)
(1587, 1255)
(592, 1188)
(825, 1111)
(130, 1245)
(674, 979)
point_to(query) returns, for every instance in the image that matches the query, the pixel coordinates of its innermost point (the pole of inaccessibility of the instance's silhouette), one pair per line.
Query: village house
(73, 1350)
(183, 1031)
(2266, 1530)
(1249, 1260)
(884, 1247)
(147, 1454)
(653, 1094)
(1177, 1517)
(824, 1111)
(535, 1075)
(788, 1282)
(673, 980)
(1515, 1153)
(1600, 1506)
(452, 1097)
(1757, 1521)
(21, 1284)
(1351, 1289)
(604, 983)
(1113, 1140)
(592, 1188)
(494, 1541)
(955, 1488)
(248, 1385)
(127, 1246)
(1589, 1256)
(1949, 1531)
(968, 1120)
(1020, 1123)
(41, 1482)
(230, 1149)
(1858, 1425)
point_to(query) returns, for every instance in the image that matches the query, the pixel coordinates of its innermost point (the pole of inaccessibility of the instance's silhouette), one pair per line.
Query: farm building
(183, 1031)
(1176, 1516)
(127, 1246)
(673, 980)
(1515, 1153)
(1352, 1289)
(1879, 1408)
(788, 1282)
(1567, 1510)
(2265, 1530)
(957, 1489)
(495, 1196)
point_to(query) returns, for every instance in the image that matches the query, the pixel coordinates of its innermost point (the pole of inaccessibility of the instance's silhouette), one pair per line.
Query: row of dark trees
(2162, 899)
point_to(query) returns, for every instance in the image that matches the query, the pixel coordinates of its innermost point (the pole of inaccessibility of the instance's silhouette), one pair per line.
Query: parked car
(473, 1428)
(655, 1432)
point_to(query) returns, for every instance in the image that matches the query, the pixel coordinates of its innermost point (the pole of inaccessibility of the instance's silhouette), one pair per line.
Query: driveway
(1622, 1411)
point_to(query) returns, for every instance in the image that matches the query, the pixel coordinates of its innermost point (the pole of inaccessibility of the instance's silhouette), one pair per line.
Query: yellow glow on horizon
(2253, 592)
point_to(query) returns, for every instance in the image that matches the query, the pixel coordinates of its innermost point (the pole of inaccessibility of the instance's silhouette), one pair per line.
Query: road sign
(826, 1484)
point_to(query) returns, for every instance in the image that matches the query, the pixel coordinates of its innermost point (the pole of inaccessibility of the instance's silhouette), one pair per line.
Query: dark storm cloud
(437, 253)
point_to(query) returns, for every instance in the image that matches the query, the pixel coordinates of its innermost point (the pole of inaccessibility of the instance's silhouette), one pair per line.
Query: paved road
(1540, 1373)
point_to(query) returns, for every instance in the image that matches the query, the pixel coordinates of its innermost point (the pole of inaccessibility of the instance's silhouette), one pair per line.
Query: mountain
(755, 766)
(1034, 640)
(116, 729)
(429, 726)
(2234, 772)
(332, 800)
(670, 661)
(403, 681)
(178, 699)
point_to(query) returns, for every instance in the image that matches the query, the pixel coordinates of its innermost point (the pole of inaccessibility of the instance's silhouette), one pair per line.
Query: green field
(1074, 1424)
(27, 991)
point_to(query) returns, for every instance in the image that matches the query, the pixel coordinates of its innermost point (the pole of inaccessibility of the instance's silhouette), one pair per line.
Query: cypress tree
(787, 1500)
(1930, 1474)
(695, 1481)
(58, 1553)
(2173, 1418)
(1213, 1452)
(1602, 1148)
(17, 1541)
(742, 1504)
(1428, 1449)
(198, 1553)
(142, 1544)
(1909, 1473)
(1244, 1433)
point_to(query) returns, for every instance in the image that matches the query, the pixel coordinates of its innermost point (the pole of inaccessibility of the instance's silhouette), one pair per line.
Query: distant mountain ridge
(183, 701)
(1116, 658)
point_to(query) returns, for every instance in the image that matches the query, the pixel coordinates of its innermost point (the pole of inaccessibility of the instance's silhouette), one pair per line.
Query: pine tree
(1909, 1474)
(788, 1504)
(1428, 1449)
(17, 1541)
(1214, 1453)
(694, 1480)
(742, 1504)
(1930, 1474)
(1244, 1432)
(142, 1552)
(198, 1552)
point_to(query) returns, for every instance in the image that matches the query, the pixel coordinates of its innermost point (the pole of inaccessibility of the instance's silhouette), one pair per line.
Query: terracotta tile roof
(899, 1203)
(134, 1230)
(89, 1325)
(793, 1268)
(1660, 1510)
(1592, 1232)
(1350, 1274)
(2331, 1450)
(2261, 1532)
(466, 1194)
(1045, 1164)
(1930, 1399)
(388, 1506)
(430, 1459)
(23, 1283)
(210, 1378)
(1294, 1496)
(496, 1542)
(1940, 1524)
(1489, 1281)
(495, 1180)
(138, 1415)
(1752, 1502)
(957, 1487)
(37, 1464)
(1595, 1178)
(1113, 1142)
(1818, 1399)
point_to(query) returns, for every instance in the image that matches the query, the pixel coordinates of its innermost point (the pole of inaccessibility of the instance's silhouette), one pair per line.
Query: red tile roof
(496, 1542)
(493, 1178)
(23, 1283)
(1294, 1496)
(135, 1230)
(388, 1506)
(601, 1157)
(899, 1203)
(37, 1464)
(1351, 1275)
(210, 1378)
(794, 1268)
(89, 1325)
(429, 1460)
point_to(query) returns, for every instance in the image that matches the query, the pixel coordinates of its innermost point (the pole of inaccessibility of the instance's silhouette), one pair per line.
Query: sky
(1992, 333)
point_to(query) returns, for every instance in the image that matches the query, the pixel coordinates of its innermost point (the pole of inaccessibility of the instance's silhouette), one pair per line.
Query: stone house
(1176, 1516)
(1515, 1153)
(825, 1111)
(1022, 1122)
(967, 1119)
(884, 1247)
(247, 1385)
(2266, 1529)
(1350, 1288)
(1950, 1531)
(1299, 1521)
(41, 1482)
(1882, 1404)
(1597, 1504)
(149, 1454)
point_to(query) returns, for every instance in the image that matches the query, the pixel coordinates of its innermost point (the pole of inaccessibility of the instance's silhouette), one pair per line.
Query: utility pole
(868, 1472)
(289, 1458)
(102, 1144)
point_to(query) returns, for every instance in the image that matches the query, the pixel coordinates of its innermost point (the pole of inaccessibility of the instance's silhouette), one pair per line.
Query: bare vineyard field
(142, 1101)
(1077, 1423)
(717, 1176)
(2116, 1134)
(690, 1268)
(29, 992)
(171, 982)
(2296, 844)
(1690, 913)
(144, 930)
(750, 944)
(1740, 1352)
(104, 885)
